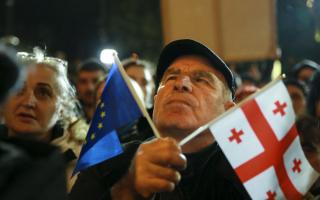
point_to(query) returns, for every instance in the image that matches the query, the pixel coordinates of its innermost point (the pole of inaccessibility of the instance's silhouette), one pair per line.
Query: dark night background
(82, 28)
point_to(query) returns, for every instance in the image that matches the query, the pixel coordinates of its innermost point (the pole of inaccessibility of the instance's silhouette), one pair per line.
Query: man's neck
(198, 143)
(201, 141)
(89, 111)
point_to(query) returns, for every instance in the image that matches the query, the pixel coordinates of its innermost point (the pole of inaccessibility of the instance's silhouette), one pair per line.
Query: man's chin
(177, 131)
(88, 103)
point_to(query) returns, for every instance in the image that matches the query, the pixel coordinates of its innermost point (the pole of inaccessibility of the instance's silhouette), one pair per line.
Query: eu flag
(117, 108)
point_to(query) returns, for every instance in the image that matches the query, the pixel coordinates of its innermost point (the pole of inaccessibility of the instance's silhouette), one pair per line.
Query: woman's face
(36, 108)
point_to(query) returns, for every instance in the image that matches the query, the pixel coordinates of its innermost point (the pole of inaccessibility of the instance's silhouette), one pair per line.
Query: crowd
(45, 119)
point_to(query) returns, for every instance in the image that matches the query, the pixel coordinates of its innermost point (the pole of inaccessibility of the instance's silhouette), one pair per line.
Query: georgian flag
(261, 142)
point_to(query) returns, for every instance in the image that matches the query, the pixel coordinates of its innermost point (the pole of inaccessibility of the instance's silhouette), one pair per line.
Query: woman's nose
(29, 100)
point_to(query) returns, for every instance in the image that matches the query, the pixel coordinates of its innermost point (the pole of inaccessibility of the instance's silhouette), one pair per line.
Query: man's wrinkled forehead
(178, 69)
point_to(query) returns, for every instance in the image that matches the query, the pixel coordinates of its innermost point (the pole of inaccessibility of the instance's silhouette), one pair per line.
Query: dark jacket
(208, 176)
(31, 170)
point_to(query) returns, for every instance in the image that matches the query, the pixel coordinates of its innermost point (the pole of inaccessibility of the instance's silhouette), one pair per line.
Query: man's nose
(183, 83)
(92, 86)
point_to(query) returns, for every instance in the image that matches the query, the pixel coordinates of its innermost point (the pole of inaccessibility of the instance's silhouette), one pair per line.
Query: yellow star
(92, 136)
(102, 114)
(102, 105)
(100, 125)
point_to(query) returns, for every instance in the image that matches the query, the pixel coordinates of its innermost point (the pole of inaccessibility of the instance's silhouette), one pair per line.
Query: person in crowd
(44, 109)
(101, 83)
(88, 75)
(194, 87)
(244, 91)
(304, 70)
(132, 131)
(298, 94)
(309, 131)
(313, 102)
(248, 80)
(140, 71)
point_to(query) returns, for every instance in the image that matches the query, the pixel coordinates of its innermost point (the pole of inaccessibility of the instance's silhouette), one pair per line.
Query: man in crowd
(304, 70)
(195, 86)
(89, 74)
(139, 70)
(298, 94)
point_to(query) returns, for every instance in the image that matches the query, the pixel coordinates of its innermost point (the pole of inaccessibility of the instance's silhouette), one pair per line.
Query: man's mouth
(178, 102)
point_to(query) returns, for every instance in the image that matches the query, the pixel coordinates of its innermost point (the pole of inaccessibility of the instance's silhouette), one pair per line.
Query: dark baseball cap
(183, 47)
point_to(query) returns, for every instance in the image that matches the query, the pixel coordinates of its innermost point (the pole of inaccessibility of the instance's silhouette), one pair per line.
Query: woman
(44, 108)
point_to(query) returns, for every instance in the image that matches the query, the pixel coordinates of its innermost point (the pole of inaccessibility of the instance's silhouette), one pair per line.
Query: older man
(195, 86)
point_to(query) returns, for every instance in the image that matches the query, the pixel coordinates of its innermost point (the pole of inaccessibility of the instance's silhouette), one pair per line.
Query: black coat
(208, 176)
(31, 170)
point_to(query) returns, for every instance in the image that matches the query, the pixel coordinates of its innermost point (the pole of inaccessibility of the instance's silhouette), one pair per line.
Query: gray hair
(66, 91)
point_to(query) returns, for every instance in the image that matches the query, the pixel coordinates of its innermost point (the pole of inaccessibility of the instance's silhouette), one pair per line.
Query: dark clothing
(57, 132)
(31, 170)
(208, 176)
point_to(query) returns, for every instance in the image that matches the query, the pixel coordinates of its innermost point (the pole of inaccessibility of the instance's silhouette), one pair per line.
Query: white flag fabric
(261, 142)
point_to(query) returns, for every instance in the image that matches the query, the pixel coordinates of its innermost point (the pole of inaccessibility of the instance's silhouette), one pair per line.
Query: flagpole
(135, 96)
(206, 126)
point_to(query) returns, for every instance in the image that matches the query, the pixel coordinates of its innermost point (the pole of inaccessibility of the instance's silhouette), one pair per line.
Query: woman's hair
(66, 91)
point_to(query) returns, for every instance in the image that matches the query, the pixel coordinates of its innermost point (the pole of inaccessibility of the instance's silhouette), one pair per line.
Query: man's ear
(228, 105)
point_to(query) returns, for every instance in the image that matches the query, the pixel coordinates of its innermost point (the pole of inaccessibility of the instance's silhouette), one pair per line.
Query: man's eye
(171, 77)
(200, 79)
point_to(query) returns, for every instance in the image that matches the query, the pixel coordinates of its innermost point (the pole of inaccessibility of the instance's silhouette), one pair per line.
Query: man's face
(298, 99)
(191, 93)
(305, 74)
(138, 74)
(86, 85)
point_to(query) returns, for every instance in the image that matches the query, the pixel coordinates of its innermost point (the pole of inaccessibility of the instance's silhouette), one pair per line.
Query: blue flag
(117, 108)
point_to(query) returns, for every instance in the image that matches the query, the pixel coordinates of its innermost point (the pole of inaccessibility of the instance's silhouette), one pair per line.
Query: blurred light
(276, 70)
(317, 35)
(309, 3)
(107, 56)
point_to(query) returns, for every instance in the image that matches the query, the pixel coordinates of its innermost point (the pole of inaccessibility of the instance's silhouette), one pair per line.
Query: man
(89, 74)
(139, 70)
(195, 86)
(309, 132)
(298, 94)
(304, 70)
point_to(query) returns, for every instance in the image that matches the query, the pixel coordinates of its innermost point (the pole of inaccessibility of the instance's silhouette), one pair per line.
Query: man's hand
(155, 168)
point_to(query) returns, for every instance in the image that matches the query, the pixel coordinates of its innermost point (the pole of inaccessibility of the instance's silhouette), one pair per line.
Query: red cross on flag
(260, 140)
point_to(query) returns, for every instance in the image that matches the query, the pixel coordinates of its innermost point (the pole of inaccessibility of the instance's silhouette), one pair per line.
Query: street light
(107, 56)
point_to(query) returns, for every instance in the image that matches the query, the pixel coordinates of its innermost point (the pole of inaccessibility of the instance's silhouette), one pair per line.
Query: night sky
(82, 28)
